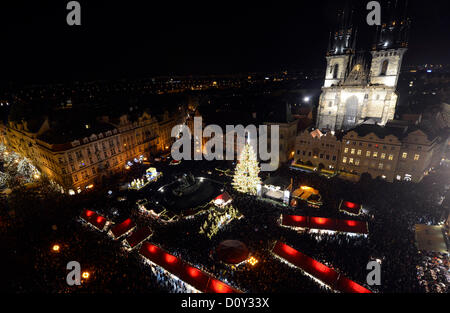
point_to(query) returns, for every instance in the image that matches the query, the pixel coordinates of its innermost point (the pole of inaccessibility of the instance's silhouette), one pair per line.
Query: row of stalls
(135, 238)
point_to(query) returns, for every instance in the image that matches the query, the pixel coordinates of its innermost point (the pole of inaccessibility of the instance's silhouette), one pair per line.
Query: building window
(344, 160)
(368, 154)
(357, 162)
(335, 71)
(391, 157)
(404, 155)
(384, 68)
(375, 155)
(383, 156)
(75, 177)
(353, 151)
(359, 152)
(351, 161)
(416, 157)
(380, 166)
(346, 150)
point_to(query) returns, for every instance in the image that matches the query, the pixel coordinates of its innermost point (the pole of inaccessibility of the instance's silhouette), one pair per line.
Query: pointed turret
(394, 31)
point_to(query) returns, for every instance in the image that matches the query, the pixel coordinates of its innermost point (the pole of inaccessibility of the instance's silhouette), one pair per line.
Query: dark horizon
(132, 40)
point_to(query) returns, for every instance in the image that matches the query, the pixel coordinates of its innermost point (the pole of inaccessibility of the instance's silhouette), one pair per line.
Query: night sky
(130, 39)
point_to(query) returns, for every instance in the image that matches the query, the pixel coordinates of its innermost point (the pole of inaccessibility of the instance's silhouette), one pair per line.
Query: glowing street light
(56, 248)
(85, 275)
(252, 261)
(306, 99)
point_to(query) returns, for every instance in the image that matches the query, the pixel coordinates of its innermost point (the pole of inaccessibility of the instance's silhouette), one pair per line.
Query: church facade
(360, 86)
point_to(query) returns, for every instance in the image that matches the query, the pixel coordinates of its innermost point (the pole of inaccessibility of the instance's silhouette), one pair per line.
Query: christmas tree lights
(246, 177)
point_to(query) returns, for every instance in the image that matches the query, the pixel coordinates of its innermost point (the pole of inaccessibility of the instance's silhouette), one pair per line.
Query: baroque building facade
(79, 163)
(393, 152)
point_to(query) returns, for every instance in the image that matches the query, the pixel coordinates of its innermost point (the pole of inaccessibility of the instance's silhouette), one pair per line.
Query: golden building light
(252, 261)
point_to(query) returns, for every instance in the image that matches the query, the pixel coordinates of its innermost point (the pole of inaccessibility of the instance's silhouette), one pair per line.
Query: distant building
(287, 131)
(317, 149)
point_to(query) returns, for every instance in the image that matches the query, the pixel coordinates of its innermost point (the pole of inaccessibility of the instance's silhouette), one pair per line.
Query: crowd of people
(433, 272)
(391, 211)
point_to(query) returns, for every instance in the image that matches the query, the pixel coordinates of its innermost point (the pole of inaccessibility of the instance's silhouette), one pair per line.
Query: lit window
(416, 157)
(383, 156)
(375, 155)
(357, 162)
(405, 155)
(380, 166)
(351, 161)
(391, 157)
(346, 150)
(344, 160)
(353, 151)
(359, 152)
(368, 154)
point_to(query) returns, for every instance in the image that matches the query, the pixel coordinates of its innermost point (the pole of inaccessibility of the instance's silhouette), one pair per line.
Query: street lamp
(306, 99)
(55, 248)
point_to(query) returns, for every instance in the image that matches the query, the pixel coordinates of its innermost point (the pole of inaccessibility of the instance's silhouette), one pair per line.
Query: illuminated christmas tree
(246, 177)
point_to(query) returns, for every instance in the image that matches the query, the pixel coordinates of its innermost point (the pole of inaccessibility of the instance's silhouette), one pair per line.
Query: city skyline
(136, 41)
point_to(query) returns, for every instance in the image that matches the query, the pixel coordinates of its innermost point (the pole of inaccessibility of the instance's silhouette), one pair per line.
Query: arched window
(384, 68)
(335, 71)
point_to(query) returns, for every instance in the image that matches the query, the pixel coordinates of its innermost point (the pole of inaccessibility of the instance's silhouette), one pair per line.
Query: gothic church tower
(361, 86)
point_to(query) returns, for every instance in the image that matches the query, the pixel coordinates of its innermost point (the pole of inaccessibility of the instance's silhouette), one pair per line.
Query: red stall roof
(346, 285)
(322, 223)
(322, 272)
(139, 236)
(350, 207)
(348, 226)
(94, 219)
(318, 270)
(88, 215)
(295, 221)
(189, 274)
(122, 228)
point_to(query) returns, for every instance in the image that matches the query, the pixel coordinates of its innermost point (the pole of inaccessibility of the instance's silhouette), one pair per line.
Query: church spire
(343, 39)
(393, 33)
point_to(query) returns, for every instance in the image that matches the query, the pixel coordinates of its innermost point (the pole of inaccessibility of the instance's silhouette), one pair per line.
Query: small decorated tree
(246, 177)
